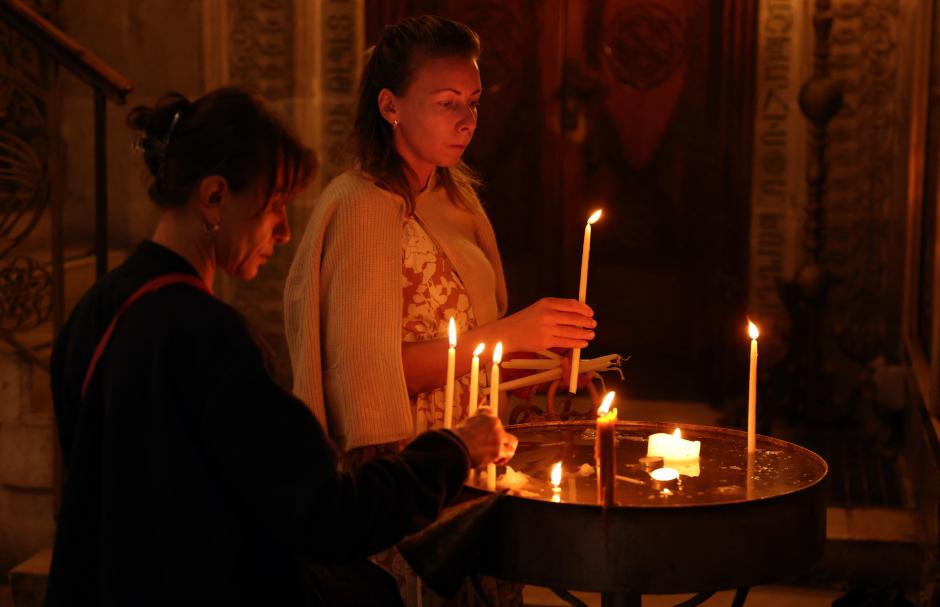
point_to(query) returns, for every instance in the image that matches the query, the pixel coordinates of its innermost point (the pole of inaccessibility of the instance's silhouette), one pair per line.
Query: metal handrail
(107, 84)
(67, 52)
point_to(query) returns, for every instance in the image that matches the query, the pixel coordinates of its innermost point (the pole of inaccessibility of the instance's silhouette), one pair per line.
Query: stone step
(874, 548)
(28, 580)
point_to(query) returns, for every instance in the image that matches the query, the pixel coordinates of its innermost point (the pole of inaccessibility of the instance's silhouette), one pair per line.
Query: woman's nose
(468, 121)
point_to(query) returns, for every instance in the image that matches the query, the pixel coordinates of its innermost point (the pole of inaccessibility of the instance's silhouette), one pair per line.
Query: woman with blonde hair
(398, 245)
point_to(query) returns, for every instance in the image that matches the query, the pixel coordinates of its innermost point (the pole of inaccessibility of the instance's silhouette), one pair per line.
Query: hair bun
(154, 125)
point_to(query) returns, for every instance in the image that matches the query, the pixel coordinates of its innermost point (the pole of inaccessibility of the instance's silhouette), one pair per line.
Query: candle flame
(452, 332)
(594, 217)
(556, 474)
(752, 330)
(677, 434)
(479, 349)
(664, 474)
(498, 353)
(605, 404)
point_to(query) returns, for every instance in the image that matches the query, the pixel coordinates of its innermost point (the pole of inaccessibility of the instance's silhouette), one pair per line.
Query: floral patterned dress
(432, 293)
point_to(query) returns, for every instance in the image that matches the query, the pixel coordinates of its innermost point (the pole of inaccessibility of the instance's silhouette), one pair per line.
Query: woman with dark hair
(398, 245)
(190, 476)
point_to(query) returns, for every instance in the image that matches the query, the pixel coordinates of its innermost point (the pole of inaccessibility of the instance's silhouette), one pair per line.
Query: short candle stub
(651, 462)
(664, 478)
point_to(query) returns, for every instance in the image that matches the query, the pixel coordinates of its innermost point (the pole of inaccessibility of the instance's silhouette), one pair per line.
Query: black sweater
(191, 477)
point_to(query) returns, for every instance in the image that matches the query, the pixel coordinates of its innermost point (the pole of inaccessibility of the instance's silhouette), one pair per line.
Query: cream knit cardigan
(343, 302)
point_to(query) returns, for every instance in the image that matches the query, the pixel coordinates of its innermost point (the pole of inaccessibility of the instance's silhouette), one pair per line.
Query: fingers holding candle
(548, 323)
(486, 440)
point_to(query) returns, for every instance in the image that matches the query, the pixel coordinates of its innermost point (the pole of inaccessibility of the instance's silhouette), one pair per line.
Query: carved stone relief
(863, 226)
(268, 46)
(645, 44)
(778, 180)
(261, 46)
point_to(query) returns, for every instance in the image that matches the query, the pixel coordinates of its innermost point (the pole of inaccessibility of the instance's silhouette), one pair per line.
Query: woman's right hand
(485, 439)
(550, 322)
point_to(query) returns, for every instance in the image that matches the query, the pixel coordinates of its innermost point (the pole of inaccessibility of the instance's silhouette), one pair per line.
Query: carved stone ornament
(25, 294)
(645, 44)
(261, 48)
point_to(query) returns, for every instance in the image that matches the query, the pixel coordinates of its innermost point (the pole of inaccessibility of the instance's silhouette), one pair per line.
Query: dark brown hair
(391, 65)
(227, 132)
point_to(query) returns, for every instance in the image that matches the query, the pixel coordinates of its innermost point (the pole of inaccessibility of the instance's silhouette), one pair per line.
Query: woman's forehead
(457, 74)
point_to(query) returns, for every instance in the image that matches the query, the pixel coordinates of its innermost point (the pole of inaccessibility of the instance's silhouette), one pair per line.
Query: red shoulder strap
(148, 287)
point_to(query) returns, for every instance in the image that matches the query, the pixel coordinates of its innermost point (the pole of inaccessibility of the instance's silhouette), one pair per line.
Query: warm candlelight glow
(605, 404)
(473, 399)
(451, 368)
(582, 297)
(672, 447)
(752, 330)
(556, 475)
(752, 390)
(498, 353)
(605, 454)
(664, 474)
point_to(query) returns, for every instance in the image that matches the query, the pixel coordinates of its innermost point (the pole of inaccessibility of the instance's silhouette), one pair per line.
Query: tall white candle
(752, 390)
(494, 378)
(475, 380)
(451, 365)
(582, 295)
(494, 405)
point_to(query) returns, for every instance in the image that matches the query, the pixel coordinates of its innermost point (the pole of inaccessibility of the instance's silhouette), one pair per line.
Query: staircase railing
(29, 181)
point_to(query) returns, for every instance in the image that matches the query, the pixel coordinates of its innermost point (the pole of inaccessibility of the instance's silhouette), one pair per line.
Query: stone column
(303, 57)
(778, 180)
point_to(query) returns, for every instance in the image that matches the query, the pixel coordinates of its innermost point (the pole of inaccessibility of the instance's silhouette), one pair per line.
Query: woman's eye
(447, 103)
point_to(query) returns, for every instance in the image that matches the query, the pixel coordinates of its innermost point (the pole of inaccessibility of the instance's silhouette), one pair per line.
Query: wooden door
(642, 108)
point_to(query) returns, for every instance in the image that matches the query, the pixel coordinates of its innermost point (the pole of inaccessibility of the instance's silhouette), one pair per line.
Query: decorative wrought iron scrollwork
(25, 294)
(24, 143)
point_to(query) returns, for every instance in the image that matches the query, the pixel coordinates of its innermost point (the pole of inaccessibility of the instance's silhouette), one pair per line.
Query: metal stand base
(620, 599)
(632, 599)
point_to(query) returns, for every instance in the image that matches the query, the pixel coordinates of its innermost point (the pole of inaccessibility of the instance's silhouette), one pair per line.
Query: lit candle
(664, 474)
(752, 390)
(494, 378)
(672, 447)
(475, 379)
(451, 365)
(494, 405)
(605, 455)
(582, 296)
(556, 482)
